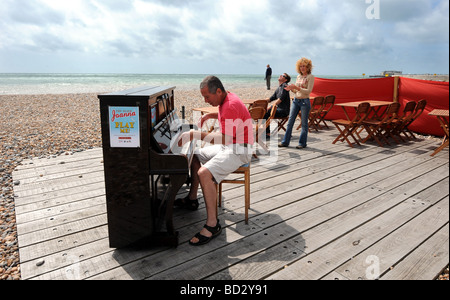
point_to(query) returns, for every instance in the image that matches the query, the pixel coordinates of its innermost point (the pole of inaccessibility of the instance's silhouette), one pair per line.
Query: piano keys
(139, 129)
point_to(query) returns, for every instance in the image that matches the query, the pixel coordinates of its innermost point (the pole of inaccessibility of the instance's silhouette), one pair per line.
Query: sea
(36, 83)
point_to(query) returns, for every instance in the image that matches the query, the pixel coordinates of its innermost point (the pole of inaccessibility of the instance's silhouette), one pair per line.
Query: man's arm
(215, 138)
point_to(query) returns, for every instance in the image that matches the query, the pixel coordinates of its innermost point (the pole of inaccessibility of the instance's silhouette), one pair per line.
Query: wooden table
(249, 102)
(374, 113)
(442, 116)
(207, 110)
(375, 107)
(211, 109)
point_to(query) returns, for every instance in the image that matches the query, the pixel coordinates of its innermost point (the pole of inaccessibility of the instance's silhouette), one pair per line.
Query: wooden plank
(323, 195)
(61, 184)
(50, 177)
(424, 262)
(71, 196)
(36, 163)
(385, 254)
(265, 221)
(46, 234)
(367, 204)
(62, 243)
(323, 261)
(57, 217)
(320, 182)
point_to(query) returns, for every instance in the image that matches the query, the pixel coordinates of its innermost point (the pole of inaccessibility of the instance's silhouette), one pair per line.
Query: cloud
(427, 25)
(227, 34)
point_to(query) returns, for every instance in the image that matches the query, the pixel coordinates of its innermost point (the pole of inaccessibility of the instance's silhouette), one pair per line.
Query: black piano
(142, 176)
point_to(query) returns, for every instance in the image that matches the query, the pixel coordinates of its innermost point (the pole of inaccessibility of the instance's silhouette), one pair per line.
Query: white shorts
(223, 160)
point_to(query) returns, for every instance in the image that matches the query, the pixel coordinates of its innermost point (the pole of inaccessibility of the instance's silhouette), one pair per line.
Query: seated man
(283, 100)
(232, 148)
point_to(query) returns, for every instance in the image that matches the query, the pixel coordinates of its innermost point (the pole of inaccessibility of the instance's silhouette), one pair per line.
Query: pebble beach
(44, 126)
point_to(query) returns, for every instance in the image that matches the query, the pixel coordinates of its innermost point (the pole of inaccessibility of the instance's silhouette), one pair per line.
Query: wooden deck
(326, 212)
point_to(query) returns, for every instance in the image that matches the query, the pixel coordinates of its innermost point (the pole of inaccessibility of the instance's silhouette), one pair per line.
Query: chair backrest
(361, 113)
(261, 103)
(257, 113)
(329, 103)
(392, 110)
(419, 109)
(272, 115)
(318, 103)
(409, 108)
(408, 111)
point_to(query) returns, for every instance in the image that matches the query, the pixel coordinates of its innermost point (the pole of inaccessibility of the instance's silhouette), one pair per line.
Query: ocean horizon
(68, 83)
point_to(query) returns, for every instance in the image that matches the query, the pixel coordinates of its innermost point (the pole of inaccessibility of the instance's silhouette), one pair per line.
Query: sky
(344, 37)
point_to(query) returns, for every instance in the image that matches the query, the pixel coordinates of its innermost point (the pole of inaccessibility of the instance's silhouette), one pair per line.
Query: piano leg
(176, 182)
(165, 212)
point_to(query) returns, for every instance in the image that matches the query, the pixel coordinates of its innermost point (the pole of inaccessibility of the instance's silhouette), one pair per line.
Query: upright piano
(139, 127)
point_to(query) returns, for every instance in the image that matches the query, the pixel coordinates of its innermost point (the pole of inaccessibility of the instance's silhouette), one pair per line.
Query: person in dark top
(283, 100)
(268, 76)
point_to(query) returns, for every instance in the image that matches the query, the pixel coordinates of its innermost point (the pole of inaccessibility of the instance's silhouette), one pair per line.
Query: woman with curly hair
(301, 89)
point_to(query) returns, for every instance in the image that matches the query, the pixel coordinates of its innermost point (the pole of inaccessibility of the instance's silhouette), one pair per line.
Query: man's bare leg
(195, 182)
(210, 196)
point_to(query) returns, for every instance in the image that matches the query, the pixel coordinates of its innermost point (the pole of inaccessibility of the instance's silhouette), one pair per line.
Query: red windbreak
(436, 93)
(351, 90)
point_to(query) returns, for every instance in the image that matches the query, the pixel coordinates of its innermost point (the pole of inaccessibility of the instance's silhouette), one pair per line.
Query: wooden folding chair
(257, 114)
(261, 128)
(244, 169)
(420, 107)
(282, 123)
(328, 104)
(380, 130)
(399, 124)
(349, 128)
(316, 109)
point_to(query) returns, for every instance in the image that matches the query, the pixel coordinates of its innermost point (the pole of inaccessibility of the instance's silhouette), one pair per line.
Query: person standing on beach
(232, 148)
(302, 89)
(268, 76)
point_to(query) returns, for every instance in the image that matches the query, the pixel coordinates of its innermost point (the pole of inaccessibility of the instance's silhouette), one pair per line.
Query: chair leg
(413, 137)
(322, 120)
(247, 195)
(341, 133)
(344, 135)
(246, 183)
(281, 124)
(219, 196)
(372, 134)
(351, 132)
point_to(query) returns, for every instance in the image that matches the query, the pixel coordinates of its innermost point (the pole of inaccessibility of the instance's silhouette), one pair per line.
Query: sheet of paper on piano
(188, 149)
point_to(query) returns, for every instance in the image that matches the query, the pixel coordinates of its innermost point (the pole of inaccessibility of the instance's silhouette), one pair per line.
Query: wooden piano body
(138, 126)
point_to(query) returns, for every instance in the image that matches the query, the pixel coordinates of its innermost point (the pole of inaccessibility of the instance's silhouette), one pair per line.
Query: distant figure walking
(268, 76)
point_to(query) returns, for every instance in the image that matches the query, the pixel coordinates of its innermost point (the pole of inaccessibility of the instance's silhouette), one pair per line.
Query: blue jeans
(303, 105)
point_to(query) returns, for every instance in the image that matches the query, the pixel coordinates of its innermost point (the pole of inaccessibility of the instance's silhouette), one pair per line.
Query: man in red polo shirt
(232, 148)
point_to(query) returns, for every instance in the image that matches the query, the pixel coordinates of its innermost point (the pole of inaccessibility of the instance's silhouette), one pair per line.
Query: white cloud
(430, 26)
(229, 36)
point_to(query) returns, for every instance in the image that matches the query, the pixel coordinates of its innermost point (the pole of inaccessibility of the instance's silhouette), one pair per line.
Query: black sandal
(203, 240)
(187, 203)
